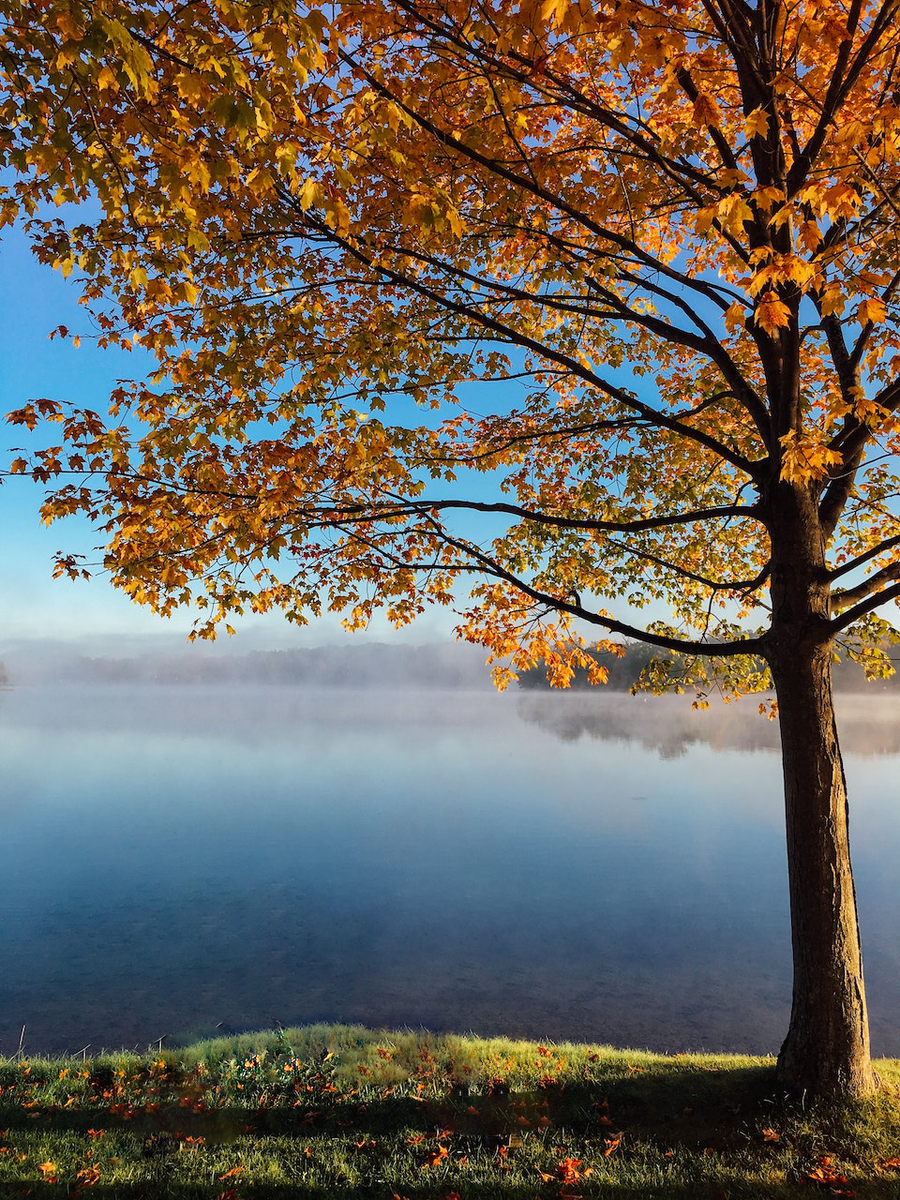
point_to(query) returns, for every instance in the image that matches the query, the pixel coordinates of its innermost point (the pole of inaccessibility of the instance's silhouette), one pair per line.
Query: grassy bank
(331, 1111)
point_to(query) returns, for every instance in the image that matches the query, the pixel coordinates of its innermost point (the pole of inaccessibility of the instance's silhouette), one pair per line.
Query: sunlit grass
(337, 1111)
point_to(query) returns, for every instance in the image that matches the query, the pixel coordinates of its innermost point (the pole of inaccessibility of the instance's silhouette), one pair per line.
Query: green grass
(336, 1111)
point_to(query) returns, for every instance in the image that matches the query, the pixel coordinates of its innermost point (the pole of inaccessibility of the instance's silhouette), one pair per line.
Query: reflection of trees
(668, 725)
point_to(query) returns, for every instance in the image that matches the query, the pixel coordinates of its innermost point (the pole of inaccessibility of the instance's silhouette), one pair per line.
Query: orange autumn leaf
(569, 1171)
(436, 1156)
(86, 1178)
(772, 314)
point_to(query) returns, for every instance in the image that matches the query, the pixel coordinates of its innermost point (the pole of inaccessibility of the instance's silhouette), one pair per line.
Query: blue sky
(34, 300)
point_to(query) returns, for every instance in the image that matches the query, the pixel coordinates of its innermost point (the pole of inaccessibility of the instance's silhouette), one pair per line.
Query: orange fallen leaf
(770, 1135)
(611, 1144)
(436, 1156)
(86, 1178)
(233, 1171)
(569, 1171)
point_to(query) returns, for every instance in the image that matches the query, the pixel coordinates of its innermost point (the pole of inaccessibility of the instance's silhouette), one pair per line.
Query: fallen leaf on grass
(436, 1156)
(769, 1135)
(569, 1171)
(84, 1179)
(826, 1175)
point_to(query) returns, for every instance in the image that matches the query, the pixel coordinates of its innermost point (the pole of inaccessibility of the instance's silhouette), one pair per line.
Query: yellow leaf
(735, 317)
(107, 80)
(809, 235)
(756, 124)
(707, 111)
(872, 310)
(832, 301)
(553, 12)
(454, 222)
(772, 314)
(310, 195)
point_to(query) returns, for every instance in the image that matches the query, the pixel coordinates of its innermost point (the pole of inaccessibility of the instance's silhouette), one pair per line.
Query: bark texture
(826, 1051)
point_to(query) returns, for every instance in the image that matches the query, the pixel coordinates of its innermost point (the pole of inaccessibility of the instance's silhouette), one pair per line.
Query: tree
(665, 233)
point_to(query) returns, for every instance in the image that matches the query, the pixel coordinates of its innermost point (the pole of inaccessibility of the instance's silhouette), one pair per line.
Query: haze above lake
(186, 860)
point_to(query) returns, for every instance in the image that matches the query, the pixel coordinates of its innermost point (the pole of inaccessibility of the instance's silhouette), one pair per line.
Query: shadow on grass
(669, 1129)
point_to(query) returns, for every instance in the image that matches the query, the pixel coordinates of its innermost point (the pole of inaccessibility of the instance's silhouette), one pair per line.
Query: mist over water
(191, 859)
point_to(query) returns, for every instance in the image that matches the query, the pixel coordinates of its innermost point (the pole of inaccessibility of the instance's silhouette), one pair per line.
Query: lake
(186, 860)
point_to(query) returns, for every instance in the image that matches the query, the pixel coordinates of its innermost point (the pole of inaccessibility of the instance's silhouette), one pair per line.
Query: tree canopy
(669, 235)
(665, 234)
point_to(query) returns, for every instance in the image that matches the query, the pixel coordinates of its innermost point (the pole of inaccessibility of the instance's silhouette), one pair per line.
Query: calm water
(181, 860)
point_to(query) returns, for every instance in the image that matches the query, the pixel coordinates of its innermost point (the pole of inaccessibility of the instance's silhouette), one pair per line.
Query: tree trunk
(826, 1051)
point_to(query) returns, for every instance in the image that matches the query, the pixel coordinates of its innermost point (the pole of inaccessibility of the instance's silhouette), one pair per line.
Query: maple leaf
(756, 123)
(706, 110)
(436, 1156)
(772, 313)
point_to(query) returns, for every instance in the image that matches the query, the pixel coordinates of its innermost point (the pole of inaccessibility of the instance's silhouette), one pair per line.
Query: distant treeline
(624, 672)
(368, 664)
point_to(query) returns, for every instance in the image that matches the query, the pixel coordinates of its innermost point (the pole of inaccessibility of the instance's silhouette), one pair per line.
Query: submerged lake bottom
(187, 861)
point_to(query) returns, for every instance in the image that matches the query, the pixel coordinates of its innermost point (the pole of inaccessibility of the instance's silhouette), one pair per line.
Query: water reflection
(869, 724)
(533, 865)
